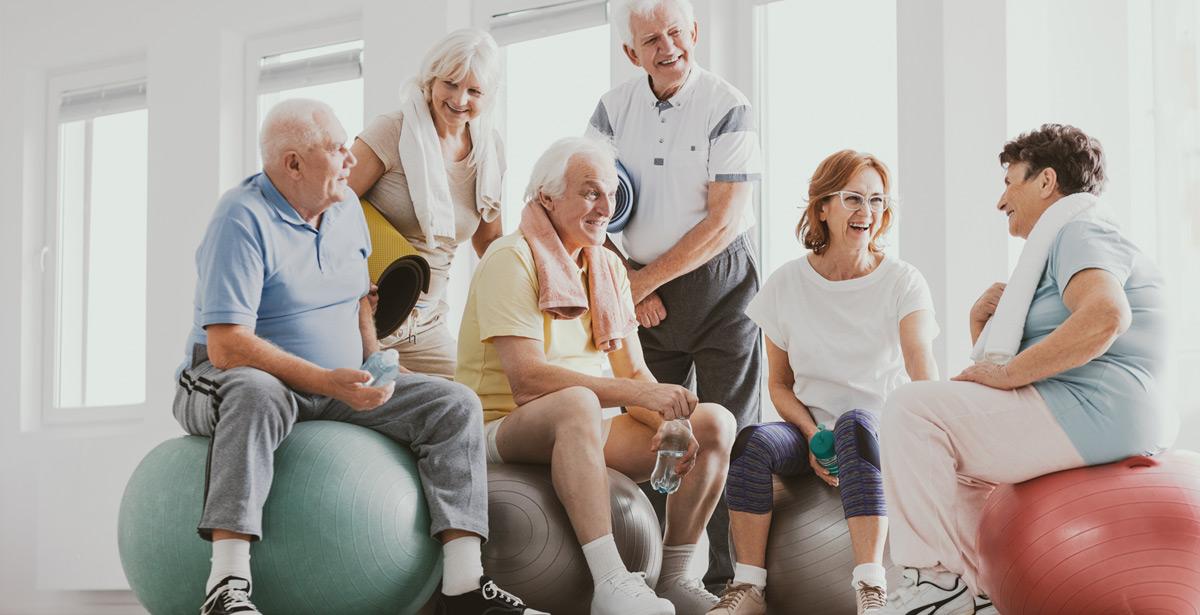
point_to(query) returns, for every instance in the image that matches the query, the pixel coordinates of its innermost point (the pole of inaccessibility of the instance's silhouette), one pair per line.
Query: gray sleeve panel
(600, 121)
(737, 119)
(738, 177)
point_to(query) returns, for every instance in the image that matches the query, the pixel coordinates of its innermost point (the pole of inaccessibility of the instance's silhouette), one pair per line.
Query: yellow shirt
(503, 301)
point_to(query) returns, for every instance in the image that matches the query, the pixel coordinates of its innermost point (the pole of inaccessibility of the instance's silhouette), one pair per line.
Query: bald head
(298, 124)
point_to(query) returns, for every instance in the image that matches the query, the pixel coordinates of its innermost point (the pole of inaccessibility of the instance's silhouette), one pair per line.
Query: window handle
(42, 257)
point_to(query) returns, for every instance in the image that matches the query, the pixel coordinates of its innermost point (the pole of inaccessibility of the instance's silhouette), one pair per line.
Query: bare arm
(629, 363)
(917, 331)
(366, 327)
(485, 235)
(531, 376)
(780, 380)
(231, 346)
(1099, 314)
(367, 171)
(709, 237)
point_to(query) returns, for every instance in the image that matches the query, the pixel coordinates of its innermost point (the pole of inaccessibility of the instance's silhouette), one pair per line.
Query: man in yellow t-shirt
(541, 383)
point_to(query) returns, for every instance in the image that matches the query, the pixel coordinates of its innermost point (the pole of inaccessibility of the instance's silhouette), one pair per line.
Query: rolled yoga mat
(396, 268)
(626, 201)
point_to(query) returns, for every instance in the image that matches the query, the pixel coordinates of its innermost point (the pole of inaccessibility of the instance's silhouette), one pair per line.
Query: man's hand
(988, 374)
(669, 400)
(651, 311)
(985, 306)
(685, 463)
(350, 386)
(639, 285)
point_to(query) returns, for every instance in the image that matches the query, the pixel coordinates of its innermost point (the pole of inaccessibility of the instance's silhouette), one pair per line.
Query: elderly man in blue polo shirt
(281, 326)
(689, 143)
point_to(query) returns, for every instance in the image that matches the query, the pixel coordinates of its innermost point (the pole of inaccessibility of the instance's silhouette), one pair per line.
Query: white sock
(675, 562)
(230, 557)
(462, 565)
(871, 574)
(745, 573)
(602, 558)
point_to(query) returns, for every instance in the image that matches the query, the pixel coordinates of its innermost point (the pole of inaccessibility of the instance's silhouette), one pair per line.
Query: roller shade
(93, 102)
(329, 68)
(548, 20)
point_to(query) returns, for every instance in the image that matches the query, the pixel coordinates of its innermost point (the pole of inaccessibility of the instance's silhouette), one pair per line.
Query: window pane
(830, 84)
(553, 86)
(101, 324)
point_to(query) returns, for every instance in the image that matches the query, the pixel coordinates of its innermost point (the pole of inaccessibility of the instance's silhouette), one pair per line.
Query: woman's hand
(821, 471)
(989, 374)
(985, 306)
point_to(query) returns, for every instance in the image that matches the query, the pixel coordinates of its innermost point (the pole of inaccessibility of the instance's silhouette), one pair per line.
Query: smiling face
(854, 229)
(1025, 200)
(662, 45)
(580, 215)
(453, 104)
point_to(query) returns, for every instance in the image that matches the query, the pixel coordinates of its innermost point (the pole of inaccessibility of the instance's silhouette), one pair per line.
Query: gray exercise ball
(532, 550)
(809, 556)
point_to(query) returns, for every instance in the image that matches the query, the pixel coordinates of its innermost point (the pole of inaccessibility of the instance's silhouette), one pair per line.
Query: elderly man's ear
(545, 201)
(291, 162)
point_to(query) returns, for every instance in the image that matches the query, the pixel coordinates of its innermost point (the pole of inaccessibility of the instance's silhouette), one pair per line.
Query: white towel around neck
(1001, 336)
(425, 169)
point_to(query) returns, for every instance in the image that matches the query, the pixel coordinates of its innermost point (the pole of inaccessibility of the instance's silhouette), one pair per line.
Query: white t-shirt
(842, 338)
(672, 149)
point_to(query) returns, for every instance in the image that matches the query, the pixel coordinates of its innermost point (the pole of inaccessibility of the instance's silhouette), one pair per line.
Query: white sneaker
(929, 592)
(871, 599)
(626, 593)
(984, 606)
(688, 596)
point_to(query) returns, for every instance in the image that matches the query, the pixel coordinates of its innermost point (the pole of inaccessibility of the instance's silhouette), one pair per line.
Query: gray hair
(549, 175)
(461, 53)
(624, 11)
(294, 124)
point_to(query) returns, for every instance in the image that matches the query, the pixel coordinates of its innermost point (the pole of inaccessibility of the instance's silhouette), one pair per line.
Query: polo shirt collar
(282, 207)
(680, 98)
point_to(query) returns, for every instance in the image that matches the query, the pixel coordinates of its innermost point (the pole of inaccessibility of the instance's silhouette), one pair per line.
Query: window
(330, 73)
(828, 82)
(557, 67)
(97, 239)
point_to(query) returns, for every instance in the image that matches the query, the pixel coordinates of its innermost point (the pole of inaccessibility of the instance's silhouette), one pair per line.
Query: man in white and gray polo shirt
(689, 142)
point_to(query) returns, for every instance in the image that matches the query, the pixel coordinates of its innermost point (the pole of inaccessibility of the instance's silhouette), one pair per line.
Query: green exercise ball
(345, 527)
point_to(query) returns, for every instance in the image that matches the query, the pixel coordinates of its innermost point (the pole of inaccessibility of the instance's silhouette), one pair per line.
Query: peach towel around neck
(561, 292)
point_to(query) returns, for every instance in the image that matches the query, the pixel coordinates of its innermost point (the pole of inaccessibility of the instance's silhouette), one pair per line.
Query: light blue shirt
(1110, 407)
(262, 266)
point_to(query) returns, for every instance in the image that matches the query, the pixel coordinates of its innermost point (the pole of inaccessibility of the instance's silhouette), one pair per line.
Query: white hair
(294, 124)
(549, 175)
(468, 51)
(624, 11)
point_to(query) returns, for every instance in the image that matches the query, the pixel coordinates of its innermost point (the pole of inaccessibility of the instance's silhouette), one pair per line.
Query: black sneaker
(231, 595)
(489, 599)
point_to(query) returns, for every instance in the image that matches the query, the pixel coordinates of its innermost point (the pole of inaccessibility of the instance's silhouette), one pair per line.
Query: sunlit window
(99, 324)
(828, 75)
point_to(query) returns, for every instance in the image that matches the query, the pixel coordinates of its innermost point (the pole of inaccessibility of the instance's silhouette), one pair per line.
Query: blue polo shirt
(1111, 406)
(262, 266)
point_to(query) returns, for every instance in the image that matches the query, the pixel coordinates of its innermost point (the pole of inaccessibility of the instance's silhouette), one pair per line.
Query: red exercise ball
(1117, 538)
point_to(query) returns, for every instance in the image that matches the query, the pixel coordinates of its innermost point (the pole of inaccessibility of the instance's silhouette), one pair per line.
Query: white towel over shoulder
(428, 185)
(1001, 336)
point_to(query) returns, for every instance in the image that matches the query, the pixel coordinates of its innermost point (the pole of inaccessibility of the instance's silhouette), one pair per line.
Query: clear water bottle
(384, 367)
(674, 445)
(823, 449)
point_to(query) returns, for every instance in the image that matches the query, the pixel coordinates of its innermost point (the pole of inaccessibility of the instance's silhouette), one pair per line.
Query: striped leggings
(780, 448)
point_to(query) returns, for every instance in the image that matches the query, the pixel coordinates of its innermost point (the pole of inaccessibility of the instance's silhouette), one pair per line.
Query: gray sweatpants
(247, 413)
(708, 340)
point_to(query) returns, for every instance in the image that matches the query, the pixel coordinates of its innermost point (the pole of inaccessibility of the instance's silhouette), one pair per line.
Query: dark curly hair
(1077, 159)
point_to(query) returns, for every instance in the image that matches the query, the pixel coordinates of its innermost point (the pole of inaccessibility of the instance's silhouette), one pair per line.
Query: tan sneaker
(741, 599)
(871, 599)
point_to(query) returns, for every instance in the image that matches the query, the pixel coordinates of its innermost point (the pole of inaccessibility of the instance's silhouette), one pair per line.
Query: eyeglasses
(854, 201)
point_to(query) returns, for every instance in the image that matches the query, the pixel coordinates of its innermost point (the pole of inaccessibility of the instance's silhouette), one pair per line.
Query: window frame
(58, 84)
(344, 30)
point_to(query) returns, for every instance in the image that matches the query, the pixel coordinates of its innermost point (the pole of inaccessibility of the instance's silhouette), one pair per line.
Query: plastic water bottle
(384, 367)
(822, 448)
(674, 445)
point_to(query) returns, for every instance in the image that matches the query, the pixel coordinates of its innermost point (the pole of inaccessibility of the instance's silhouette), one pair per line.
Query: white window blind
(107, 100)
(548, 20)
(276, 76)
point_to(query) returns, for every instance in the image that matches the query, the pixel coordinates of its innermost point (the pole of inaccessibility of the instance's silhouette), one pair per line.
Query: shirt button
(662, 120)
(660, 140)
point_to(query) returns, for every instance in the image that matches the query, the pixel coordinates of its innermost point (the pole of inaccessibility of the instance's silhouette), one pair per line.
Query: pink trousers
(945, 445)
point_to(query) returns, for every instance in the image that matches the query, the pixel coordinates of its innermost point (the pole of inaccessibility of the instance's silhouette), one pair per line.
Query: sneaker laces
(236, 598)
(633, 584)
(870, 596)
(493, 592)
(696, 588)
(733, 595)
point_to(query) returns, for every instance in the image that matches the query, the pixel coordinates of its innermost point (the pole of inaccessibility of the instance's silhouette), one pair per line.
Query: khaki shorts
(493, 452)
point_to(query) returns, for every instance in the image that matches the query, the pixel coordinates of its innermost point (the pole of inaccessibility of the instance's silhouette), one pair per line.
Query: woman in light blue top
(1081, 389)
